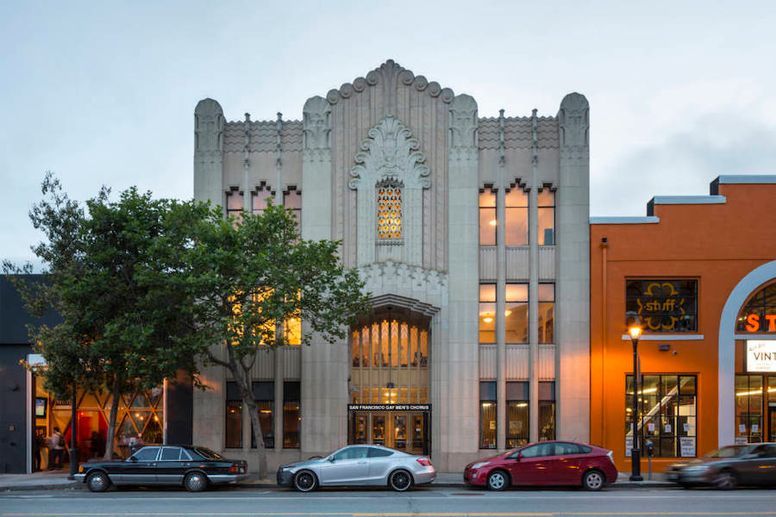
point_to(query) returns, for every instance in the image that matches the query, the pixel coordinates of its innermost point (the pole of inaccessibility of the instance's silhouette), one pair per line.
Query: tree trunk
(244, 384)
(114, 411)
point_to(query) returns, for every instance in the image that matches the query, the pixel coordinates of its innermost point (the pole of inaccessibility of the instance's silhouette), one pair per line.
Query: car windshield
(208, 454)
(731, 451)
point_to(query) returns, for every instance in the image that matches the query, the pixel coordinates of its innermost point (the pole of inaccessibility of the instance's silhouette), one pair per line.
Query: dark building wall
(14, 347)
(180, 410)
(13, 409)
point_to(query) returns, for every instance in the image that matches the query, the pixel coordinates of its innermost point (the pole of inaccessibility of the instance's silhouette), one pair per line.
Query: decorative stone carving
(424, 290)
(574, 120)
(390, 152)
(463, 122)
(390, 74)
(316, 123)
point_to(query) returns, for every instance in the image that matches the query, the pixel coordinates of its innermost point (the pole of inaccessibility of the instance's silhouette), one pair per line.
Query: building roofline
(625, 220)
(684, 200)
(746, 179)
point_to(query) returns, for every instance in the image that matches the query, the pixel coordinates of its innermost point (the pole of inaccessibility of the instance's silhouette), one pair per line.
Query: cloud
(684, 163)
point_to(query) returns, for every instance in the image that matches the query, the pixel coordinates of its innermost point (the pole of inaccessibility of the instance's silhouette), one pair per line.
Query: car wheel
(593, 480)
(400, 481)
(498, 480)
(98, 482)
(195, 482)
(305, 481)
(725, 480)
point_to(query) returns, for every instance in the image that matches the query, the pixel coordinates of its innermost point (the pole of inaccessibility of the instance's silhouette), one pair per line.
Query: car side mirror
(330, 459)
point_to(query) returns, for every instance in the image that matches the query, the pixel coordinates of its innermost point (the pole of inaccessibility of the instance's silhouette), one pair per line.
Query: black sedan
(728, 467)
(179, 465)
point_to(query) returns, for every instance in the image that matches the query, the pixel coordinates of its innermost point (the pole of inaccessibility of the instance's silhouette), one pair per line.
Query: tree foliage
(251, 278)
(106, 277)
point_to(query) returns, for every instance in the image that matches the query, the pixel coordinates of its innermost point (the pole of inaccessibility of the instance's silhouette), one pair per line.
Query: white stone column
(573, 271)
(324, 365)
(501, 275)
(462, 354)
(533, 310)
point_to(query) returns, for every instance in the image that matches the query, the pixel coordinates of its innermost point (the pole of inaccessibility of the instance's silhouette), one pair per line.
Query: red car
(545, 463)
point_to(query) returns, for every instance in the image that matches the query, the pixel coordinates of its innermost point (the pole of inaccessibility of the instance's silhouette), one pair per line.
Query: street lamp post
(73, 434)
(635, 333)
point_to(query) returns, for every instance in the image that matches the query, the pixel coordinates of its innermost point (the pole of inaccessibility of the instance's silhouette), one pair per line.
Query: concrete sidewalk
(58, 480)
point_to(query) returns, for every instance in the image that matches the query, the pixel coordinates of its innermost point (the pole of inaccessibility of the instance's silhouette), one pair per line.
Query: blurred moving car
(359, 465)
(728, 467)
(545, 463)
(183, 465)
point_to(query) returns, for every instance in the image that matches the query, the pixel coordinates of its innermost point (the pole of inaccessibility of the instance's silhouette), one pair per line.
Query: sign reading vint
(761, 356)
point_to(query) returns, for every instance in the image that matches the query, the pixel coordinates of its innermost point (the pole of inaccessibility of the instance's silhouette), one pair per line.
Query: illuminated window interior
(389, 210)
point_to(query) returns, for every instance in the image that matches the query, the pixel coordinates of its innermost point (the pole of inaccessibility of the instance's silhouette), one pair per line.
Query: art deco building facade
(472, 236)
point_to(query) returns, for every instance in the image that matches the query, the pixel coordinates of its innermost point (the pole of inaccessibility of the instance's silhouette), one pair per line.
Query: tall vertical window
(487, 313)
(264, 394)
(234, 204)
(667, 414)
(749, 408)
(234, 404)
(516, 313)
(260, 198)
(292, 201)
(488, 415)
(546, 313)
(546, 411)
(517, 414)
(546, 213)
(516, 211)
(389, 216)
(488, 220)
(292, 414)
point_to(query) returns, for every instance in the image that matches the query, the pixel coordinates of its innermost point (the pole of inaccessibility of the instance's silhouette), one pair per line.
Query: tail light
(234, 469)
(425, 462)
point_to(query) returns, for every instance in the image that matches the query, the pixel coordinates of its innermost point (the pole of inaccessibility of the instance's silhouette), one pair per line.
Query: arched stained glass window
(389, 216)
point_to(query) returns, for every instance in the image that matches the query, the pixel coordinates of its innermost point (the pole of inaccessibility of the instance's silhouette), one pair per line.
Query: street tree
(252, 281)
(105, 272)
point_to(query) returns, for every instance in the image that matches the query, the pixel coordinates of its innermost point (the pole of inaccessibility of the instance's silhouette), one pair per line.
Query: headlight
(479, 465)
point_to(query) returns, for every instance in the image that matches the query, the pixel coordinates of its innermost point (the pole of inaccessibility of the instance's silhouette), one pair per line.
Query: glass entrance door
(405, 431)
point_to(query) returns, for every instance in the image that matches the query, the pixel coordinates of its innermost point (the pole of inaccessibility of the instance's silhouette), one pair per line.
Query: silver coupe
(359, 465)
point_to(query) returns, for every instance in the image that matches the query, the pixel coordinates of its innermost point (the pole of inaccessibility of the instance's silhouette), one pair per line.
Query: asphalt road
(447, 502)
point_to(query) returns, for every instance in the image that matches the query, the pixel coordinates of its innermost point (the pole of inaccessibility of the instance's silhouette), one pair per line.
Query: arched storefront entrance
(389, 381)
(748, 369)
(756, 368)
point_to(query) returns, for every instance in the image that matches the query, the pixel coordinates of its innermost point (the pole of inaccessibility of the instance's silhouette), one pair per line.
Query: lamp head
(635, 331)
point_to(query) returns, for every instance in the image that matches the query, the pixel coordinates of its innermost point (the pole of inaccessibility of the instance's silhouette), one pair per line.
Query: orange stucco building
(700, 274)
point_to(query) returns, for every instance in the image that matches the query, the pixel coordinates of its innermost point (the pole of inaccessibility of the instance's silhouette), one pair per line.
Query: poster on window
(687, 447)
(628, 446)
(761, 356)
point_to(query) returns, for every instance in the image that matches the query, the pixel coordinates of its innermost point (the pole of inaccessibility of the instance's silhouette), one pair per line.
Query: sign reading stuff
(760, 356)
(663, 305)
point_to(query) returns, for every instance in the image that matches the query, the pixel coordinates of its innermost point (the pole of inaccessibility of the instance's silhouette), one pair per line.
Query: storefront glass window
(488, 221)
(546, 313)
(668, 414)
(758, 316)
(515, 314)
(233, 424)
(517, 414)
(663, 305)
(749, 408)
(264, 394)
(488, 415)
(292, 415)
(488, 313)
(546, 213)
(546, 411)
(516, 211)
